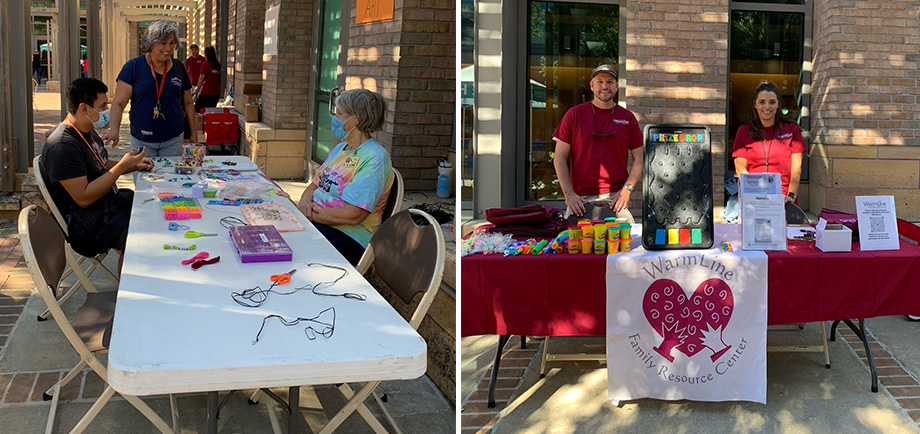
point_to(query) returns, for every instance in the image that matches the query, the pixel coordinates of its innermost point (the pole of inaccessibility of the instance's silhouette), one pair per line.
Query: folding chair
(410, 259)
(395, 198)
(34, 89)
(47, 254)
(95, 263)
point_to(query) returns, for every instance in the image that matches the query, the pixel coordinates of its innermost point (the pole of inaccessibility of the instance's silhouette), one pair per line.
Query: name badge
(351, 162)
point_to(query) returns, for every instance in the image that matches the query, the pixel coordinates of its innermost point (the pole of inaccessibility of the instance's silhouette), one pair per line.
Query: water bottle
(444, 181)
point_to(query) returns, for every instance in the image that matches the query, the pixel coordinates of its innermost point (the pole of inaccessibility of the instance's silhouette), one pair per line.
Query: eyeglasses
(592, 124)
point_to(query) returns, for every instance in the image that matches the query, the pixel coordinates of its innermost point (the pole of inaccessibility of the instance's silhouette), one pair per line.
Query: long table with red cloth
(565, 295)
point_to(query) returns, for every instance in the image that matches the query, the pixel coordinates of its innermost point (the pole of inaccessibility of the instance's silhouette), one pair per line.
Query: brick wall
(411, 61)
(287, 75)
(250, 24)
(677, 73)
(203, 14)
(866, 116)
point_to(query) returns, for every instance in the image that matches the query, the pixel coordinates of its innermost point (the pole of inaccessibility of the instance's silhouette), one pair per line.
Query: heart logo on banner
(689, 324)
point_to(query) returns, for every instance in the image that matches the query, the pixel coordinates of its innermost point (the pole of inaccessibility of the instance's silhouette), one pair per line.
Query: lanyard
(91, 147)
(159, 87)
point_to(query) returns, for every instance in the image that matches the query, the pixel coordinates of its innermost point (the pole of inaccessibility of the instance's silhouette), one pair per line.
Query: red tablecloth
(565, 295)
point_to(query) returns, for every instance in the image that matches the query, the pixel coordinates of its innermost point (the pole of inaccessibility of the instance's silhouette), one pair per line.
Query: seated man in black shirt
(81, 178)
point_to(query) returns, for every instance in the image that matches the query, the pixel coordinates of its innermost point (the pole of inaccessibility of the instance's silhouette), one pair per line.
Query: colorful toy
(229, 202)
(193, 154)
(172, 247)
(202, 255)
(183, 169)
(180, 207)
(486, 243)
(538, 248)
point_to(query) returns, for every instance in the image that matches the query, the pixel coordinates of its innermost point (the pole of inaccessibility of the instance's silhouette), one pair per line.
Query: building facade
(847, 70)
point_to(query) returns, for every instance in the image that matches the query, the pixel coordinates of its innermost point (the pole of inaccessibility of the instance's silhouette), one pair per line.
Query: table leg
(523, 342)
(502, 340)
(212, 412)
(294, 403)
(861, 333)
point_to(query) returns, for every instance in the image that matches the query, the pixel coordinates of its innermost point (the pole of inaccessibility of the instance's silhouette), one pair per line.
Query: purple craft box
(260, 243)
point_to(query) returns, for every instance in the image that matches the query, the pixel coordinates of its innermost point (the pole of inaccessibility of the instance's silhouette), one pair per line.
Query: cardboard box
(199, 119)
(251, 99)
(252, 89)
(832, 237)
(252, 113)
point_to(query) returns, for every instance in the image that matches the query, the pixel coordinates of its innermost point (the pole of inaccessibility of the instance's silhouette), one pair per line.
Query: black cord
(231, 221)
(326, 330)
(256, 296)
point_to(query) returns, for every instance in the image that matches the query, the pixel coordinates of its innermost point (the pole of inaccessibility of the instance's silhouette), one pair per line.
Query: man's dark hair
(84, 90)
(193, 46)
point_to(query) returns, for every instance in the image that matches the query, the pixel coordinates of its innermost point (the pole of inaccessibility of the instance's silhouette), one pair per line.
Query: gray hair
(158, 32)
(369, 107)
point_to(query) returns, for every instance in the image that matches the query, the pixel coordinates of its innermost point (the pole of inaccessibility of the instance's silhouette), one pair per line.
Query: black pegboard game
(677, 188)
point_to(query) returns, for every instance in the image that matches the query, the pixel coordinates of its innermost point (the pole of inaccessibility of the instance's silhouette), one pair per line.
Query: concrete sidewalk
(34, 355)
(802, 396)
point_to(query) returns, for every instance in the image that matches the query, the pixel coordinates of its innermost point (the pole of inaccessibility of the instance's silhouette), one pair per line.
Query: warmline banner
(687, 325)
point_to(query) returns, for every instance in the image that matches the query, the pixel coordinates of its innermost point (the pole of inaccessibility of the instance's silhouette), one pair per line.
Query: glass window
(565, 42)
(764, 46)
(467, 13)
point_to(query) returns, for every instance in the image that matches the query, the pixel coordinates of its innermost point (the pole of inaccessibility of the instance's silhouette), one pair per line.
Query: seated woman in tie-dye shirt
(345, 199)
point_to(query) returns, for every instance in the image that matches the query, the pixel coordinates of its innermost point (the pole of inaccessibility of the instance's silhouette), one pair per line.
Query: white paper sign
(763, 222)
(270, 37)
(877, 220)
(687, 325)
(760, 183)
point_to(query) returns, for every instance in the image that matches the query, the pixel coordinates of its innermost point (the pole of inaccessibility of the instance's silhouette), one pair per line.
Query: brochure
(877, 222)
(763, 222)
(760, 183)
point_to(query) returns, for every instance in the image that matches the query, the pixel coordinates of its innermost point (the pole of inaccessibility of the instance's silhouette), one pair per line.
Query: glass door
(326, 88)
(565, 42)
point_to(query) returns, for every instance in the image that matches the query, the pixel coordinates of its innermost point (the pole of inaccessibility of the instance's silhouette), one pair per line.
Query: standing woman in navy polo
(158, 87)
(769, 143)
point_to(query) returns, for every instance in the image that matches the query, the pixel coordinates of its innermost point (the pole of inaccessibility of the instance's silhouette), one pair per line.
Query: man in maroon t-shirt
(193, 64)
(593, 143)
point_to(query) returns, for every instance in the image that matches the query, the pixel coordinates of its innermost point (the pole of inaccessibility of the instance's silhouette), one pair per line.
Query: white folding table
(177, 330)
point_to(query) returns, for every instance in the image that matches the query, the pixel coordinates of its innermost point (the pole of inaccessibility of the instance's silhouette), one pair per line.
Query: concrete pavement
(803, 396)
(34, 355)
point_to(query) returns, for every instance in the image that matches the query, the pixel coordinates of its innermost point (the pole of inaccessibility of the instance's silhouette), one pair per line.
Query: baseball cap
(605, 68)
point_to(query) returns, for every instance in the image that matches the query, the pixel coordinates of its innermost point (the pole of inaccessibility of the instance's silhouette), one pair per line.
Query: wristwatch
(792, 195)
(628, 186)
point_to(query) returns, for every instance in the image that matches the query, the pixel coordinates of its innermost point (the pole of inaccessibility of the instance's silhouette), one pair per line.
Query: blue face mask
(103, 119)
(338, 128)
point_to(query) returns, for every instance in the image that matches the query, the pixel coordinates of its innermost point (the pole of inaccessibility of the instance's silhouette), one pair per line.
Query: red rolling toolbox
(221, 127)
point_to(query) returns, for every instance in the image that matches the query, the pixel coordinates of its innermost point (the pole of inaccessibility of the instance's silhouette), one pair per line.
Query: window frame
(807, 10)
(522, 116)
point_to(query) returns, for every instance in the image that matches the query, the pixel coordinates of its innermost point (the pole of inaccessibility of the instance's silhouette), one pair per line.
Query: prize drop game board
(677, 188)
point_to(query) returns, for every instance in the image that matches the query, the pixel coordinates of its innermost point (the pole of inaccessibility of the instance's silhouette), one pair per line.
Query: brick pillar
(203, 13)
(248, 40)
(677, 73)
(214, 13)
(865, 116)
(231, 41)
(285, 92)
(411, 61)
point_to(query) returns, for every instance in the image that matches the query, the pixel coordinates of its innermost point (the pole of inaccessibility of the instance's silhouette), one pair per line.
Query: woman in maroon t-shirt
(208, 81)
(769, 143)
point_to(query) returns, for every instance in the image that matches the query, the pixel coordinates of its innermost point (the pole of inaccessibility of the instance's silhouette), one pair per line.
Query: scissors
(281, 279)
(196, 234)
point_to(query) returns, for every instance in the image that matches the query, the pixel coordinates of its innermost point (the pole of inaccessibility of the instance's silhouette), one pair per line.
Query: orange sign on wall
(368, 11)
